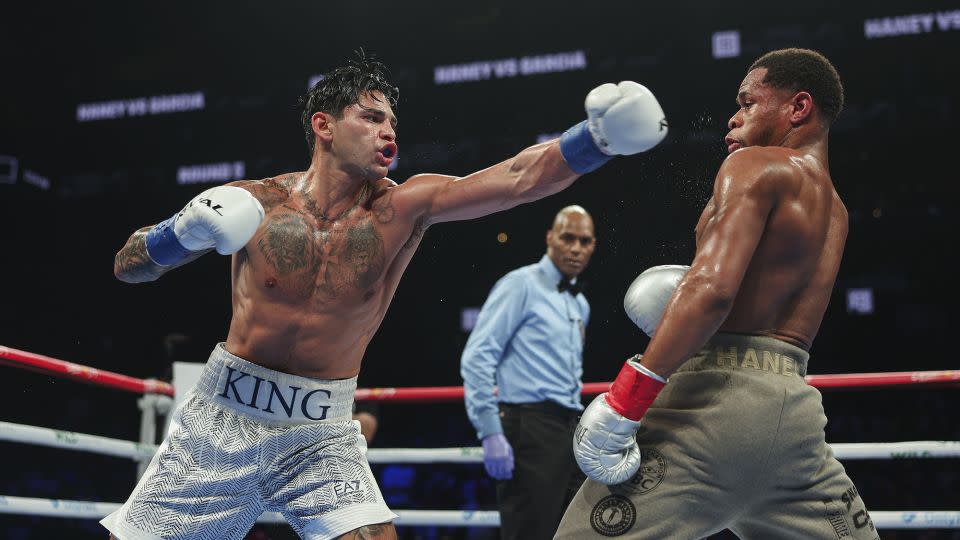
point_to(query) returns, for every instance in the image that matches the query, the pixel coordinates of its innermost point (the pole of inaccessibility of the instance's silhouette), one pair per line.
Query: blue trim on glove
(163, 246)
(581, 152)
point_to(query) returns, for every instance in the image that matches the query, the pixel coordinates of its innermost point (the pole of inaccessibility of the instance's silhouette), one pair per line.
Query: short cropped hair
(804, 70)
(341, 87)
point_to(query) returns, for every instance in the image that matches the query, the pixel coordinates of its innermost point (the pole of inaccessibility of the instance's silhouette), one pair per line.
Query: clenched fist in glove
(224, 218)
(605, 444)
(622, 119)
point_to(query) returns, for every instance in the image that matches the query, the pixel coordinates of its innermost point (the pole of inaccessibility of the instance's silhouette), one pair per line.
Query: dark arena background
(113, 115)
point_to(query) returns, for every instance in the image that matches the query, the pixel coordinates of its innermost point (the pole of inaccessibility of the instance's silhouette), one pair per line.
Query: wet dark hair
(341, 87)
(808, 71)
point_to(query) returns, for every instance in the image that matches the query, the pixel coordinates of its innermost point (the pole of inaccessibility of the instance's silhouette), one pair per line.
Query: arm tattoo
(419, 227)
(383, 209)
(133, 265)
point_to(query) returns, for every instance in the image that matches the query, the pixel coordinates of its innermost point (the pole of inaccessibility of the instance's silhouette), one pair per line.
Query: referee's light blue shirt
(528, 341)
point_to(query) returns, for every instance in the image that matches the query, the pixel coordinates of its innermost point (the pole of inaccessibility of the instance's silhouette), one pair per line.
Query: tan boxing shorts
(734, 441)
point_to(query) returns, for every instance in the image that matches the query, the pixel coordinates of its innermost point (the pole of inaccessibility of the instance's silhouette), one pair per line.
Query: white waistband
(274, 397)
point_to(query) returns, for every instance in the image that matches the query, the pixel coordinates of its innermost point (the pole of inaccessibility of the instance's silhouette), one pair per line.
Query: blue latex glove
(498, 456)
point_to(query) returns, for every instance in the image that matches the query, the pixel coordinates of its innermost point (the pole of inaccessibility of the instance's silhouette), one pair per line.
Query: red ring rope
(52, 366)
(68, 370)
(854, 380)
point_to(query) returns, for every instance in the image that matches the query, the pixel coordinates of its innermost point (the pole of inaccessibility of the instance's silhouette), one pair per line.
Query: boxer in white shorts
(317, 257)
(248, 440)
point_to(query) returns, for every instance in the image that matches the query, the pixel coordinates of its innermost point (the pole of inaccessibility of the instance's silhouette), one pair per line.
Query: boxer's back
(788, 283)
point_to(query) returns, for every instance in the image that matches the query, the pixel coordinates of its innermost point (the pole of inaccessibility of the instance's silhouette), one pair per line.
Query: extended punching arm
(222, 218)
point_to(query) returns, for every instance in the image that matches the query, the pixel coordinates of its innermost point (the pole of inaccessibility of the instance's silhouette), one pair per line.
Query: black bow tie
(566, 285)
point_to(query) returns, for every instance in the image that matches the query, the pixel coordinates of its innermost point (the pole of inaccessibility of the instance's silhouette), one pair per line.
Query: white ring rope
(75, 441)
(889, 519)
(98, 510)
(917, 519)
(129, 449)
(415, 518)
(473, 454)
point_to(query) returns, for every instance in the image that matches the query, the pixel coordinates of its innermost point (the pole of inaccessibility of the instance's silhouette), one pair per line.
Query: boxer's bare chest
(302, 254)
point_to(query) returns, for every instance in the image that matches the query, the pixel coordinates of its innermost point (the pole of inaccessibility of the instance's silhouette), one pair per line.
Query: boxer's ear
(801, 107)
(321, 123)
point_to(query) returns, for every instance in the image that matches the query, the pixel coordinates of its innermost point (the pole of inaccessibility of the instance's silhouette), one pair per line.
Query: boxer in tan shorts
(735, 439)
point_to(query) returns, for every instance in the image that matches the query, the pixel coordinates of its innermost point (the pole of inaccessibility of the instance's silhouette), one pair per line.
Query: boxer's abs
(321, 347)
(310, 334)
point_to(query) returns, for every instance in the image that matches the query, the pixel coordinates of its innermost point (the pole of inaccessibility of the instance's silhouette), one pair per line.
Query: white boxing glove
(625, 118)
(647, 297)
(224, 218)
(605, 444)
(622, 119)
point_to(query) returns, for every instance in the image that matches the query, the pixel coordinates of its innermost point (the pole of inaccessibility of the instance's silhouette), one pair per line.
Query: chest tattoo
(287, 245)
(363, 255)
(331, 261)
(328, 260)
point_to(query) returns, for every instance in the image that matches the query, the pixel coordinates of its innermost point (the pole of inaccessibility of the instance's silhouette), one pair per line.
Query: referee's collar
(551, 271)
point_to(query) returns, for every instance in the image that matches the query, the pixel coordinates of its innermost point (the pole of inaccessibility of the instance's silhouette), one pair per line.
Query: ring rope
(437, 394)
(98, 510)
(70, 440)
(895, 519)
(52, 366)
(138, 451)
(79, 372)
(471, 454)
(92, 443)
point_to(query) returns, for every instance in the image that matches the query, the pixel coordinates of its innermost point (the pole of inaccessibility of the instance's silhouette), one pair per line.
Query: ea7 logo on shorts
(613, 515)
(347, 487)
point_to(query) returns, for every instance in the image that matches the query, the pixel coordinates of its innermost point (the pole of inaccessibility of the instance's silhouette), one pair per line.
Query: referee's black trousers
(545, 475)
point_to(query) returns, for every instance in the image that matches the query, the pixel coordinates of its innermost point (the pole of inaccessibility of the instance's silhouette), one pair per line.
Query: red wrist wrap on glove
(632, 392)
